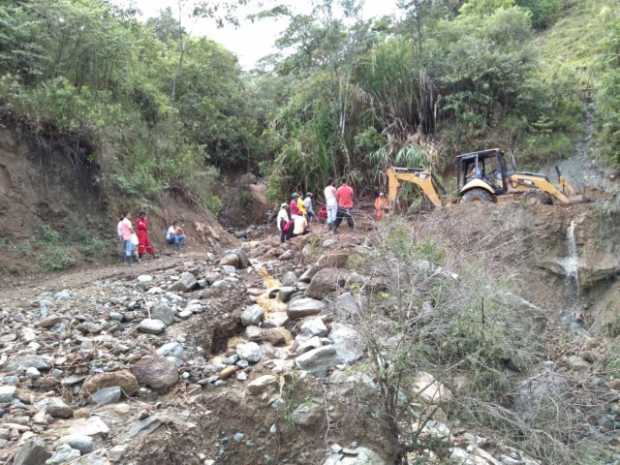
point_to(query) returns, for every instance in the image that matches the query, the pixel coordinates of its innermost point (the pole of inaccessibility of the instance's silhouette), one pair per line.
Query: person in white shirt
(175, 235)
(284, 223)
(300, 225)
(331, 203)
(309, 207)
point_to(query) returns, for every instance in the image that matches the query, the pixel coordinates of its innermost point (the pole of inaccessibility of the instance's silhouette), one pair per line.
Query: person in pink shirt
(344, 197)
(125, 230)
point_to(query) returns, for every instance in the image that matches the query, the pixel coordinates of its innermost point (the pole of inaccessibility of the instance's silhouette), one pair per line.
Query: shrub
(56, 258)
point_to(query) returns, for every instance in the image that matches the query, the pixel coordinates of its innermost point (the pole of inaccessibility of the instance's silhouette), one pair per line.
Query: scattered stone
(116, 316)
(250, 351)
(359, 456)
(49, 322)
(123, 378)
(7, 394)
(285, 293)
(92, 426)
(307, 276)
(307, 414)
(252, 315)
(235, 259)
(314, 327)
(156, 372)
(109, 395)
(318, 361)
(325, 281)
(93, 459)
(186, 283)
(57, 408)
(347, 342)
(333, 260)
(301, 308)
(276, 336)
(289, 279)
(577, 363)
(26, 361)
(164, 313)
(32, 452)
(228, 372)
(33, 373)
(185, 314)
(305, 344)
(63, 454)
(275, 320)
(81, 442)
(538, 392)
(195, 306)
(346, 304)
(427, 388)
(174, 350)
(151, 326)
(144, 280)
(261, 384)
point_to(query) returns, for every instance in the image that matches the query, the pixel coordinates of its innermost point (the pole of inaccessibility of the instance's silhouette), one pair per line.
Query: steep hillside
(56, 214)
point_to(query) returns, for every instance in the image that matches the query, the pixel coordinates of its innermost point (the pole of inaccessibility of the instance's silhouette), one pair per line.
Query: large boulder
(318, 361)
(540, 392)
(326, 281)
(347, 342)
(333, 260)
(32, 452)
(156, 372)
(301, 308)
(123, 378)
(235, 258)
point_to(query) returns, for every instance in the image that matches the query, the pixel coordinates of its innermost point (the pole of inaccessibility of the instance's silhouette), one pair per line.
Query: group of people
(295, 217)
(135, 242)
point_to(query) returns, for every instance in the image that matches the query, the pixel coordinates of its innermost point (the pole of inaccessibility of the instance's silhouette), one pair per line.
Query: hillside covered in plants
(151, 110)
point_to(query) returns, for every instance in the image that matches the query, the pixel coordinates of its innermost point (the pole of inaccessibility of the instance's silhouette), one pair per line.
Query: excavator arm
(421, 178)
(521, 182)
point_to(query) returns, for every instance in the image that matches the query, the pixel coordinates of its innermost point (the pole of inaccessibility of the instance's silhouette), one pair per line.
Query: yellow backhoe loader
(483, 177)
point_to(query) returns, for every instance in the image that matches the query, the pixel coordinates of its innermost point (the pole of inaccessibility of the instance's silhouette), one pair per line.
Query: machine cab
(486, 167)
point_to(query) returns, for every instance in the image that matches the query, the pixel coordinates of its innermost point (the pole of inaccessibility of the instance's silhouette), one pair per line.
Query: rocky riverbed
(248, 356)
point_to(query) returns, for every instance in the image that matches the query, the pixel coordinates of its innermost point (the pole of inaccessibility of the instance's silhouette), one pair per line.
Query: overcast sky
(251, 41)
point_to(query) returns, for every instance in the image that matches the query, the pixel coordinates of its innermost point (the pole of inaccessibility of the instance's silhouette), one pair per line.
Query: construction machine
(483, 177)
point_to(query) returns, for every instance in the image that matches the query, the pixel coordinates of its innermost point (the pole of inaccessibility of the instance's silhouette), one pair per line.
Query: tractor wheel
(538, 198)
(478, 195)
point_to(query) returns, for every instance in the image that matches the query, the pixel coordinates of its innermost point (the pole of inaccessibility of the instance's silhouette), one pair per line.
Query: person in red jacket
(142, 230)
(344, 197)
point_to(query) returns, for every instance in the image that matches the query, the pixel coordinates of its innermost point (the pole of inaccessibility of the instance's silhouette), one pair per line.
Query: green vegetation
(344, 97)
(172, 109)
